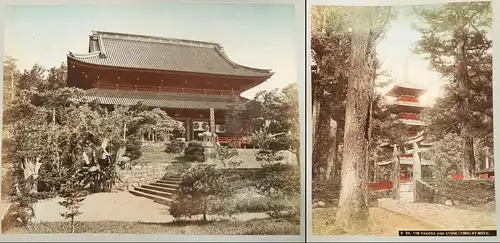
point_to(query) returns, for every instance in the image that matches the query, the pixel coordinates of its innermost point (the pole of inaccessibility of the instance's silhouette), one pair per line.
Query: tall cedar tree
(352, 214)
(455, 40)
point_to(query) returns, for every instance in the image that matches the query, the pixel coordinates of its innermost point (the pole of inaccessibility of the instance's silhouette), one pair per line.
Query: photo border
(301, 71)
(496, 124)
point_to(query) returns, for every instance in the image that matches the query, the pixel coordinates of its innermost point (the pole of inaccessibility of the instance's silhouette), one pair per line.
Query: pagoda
(404, 103)
(191, 80)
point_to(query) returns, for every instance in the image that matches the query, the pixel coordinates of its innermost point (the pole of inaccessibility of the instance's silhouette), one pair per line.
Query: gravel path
(382, 222)
(120, 206)
(441, 216)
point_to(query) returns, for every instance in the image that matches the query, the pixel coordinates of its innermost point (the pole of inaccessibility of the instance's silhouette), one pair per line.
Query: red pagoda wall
(86, 76)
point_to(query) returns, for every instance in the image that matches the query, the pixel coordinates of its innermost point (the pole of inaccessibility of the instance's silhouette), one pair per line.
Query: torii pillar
(417, 169)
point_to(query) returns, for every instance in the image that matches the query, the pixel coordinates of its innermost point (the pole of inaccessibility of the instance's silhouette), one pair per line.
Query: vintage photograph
(403, 118)
(158, 118)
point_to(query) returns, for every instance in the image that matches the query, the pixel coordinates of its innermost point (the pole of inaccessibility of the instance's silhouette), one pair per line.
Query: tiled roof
(157, 99)
(405, 86)
(158, 53)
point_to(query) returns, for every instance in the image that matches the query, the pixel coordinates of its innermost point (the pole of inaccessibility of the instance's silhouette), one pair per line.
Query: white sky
(399, 60)
(255, 35)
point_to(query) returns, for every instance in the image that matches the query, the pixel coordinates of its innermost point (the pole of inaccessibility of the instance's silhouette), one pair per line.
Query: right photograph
(402, 113)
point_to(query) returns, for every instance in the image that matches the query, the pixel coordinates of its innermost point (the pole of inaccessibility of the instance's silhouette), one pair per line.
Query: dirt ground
(382, 222)
(120, 206)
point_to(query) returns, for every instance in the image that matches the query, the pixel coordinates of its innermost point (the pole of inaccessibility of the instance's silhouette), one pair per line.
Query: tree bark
(315, 117)
(333, 149)
(468, 160)
(316, 161)
(352, 214)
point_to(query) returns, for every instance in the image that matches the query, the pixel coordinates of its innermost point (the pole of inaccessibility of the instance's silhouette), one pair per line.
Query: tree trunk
(31, 167)
(73, 225)
(468, 160)
(315, 117)
(331, 159)
(396, 169)
(316, 141)
(352, 214)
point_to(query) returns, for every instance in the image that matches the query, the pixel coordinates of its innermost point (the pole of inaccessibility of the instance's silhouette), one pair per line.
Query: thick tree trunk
(331, 158)
(352, 214)
(316, 141)
(468, 160)
(315, 117)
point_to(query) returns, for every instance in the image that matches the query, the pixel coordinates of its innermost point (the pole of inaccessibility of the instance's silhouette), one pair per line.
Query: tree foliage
(330, 47)
(274, 116)
(49, 136)
(455, 39)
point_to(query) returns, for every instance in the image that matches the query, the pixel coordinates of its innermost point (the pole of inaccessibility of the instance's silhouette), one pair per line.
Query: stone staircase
(161, 191)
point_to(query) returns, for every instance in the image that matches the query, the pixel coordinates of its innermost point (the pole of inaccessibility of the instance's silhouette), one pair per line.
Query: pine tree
(455, 40)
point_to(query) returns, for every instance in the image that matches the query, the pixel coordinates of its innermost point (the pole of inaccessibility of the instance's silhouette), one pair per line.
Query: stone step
(405, 187)
(169, 181)
(155, 192)
(170, 189)
(158, 199)
(165, 185)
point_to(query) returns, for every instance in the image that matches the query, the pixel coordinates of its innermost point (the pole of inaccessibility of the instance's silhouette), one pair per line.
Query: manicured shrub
(202, 189)
(134, 148)
(195, 152)
(175, 146)
(281, 184)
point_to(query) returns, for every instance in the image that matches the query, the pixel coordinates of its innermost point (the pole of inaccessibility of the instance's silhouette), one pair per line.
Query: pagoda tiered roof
(403, 88)
(162, 54)
(158, 99)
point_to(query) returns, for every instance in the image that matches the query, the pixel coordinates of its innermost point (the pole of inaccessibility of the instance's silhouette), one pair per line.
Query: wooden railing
(409, 116)
(411, 133)
(226, 140)
(379, 185)
(166, 89)
(407, 99)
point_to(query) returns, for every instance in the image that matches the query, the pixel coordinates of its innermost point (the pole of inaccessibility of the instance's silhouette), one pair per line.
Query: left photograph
(168, 118)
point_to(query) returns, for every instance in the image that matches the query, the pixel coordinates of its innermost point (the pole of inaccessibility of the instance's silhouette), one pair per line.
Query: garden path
(120, 206)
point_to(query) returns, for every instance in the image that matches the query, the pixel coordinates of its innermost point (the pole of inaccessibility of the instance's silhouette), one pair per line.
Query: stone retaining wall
(425, 193)
(140, 174)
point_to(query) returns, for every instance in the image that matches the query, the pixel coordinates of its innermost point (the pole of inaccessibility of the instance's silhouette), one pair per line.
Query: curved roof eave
(220, 50)
(79, 57)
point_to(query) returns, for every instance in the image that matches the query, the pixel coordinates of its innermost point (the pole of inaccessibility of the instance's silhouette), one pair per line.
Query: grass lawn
(252, 227)
(155, 153)
(382, 222)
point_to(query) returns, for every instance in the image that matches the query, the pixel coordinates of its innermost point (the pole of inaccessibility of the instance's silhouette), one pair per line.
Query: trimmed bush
(203, 187)
(195, 152)
(175, 146)
(134, 148)
(281, 184)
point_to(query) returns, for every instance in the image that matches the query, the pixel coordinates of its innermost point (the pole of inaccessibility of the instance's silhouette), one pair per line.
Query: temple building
(404, 102)
(185, 78)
